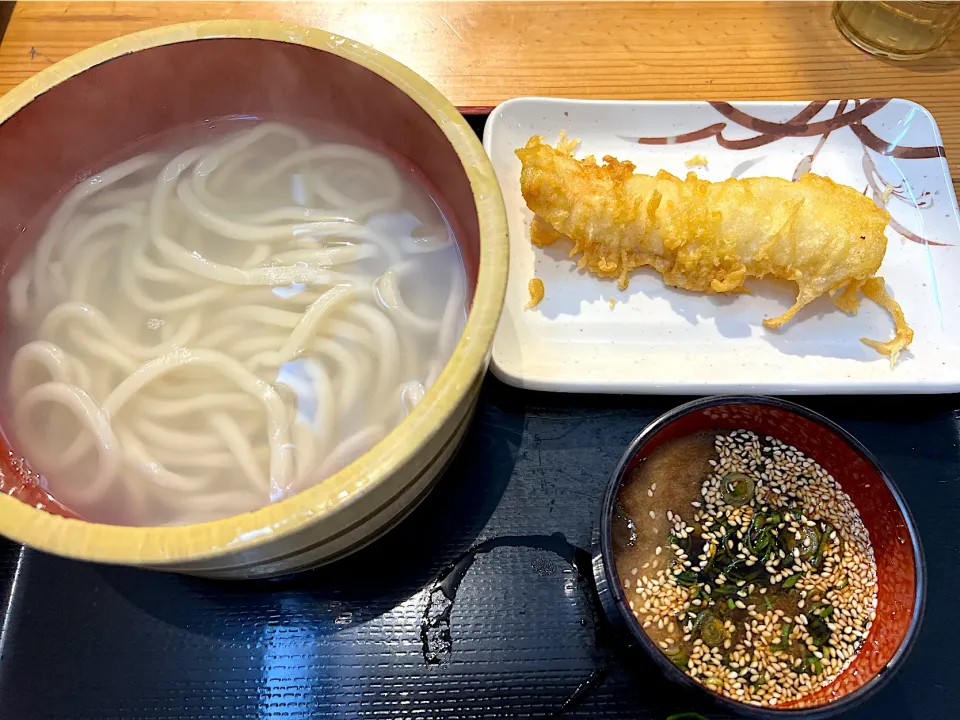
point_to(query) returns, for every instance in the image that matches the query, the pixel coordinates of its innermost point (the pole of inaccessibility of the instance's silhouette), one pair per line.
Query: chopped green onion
(784, 643)
(711, 629)
(817, 560)
(738, 489)
(813, 662)
(676, 654)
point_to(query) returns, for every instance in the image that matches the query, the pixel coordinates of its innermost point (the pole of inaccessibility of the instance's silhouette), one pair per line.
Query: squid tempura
(710, 237)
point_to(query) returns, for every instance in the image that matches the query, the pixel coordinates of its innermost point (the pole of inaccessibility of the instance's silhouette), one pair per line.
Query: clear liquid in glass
(897, 30)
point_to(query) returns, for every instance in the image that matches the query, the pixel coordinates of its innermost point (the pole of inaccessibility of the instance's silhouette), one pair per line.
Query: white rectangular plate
(656, 339)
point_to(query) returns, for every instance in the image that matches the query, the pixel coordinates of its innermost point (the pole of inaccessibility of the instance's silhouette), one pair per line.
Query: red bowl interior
(92, 119)
(894, 548)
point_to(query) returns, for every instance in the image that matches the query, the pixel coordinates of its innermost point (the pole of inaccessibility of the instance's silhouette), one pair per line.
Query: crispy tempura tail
(874, 289)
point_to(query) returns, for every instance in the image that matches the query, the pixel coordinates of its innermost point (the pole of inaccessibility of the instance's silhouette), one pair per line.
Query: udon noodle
(206, 332)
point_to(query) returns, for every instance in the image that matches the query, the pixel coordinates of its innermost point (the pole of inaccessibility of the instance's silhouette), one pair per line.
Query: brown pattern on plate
(800, 125)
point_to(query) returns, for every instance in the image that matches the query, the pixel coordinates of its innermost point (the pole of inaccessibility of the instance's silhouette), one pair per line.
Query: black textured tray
(377, 635)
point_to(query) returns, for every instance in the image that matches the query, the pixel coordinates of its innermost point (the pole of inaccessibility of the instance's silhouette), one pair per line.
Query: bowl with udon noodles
(250, 279)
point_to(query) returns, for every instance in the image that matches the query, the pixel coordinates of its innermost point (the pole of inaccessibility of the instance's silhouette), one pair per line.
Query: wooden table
(481, 53)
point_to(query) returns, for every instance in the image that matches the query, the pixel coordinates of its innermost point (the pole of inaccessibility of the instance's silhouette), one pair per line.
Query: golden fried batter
(536, 290)
(710, 237)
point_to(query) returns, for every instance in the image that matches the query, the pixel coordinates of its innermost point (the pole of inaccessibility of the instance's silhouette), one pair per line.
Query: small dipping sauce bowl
(901, 581)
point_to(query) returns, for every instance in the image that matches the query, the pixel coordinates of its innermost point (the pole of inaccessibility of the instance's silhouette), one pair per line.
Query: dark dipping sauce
(746, 563)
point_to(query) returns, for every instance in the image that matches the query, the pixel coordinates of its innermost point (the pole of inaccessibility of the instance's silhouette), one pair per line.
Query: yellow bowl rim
(191, 543)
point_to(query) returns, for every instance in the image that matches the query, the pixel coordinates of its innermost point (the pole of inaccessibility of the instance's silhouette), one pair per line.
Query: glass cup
(897, 30)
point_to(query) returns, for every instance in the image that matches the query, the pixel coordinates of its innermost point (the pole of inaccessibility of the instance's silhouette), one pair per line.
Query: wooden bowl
(901, 574)
(59, 125)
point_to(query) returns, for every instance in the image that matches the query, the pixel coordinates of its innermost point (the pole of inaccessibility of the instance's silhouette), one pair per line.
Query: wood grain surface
(481, 53)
